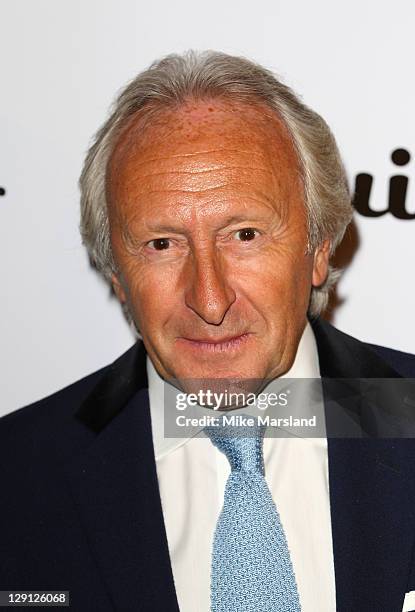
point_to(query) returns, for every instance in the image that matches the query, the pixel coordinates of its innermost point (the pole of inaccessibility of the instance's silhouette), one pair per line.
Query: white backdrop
(62, 63)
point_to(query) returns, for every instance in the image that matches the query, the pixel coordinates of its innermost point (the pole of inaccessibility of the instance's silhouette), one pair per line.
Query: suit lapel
(372, 492)
(114, 483)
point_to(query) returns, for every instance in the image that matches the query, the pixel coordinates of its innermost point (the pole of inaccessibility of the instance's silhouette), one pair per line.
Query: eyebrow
(152, 226)
(228, 221)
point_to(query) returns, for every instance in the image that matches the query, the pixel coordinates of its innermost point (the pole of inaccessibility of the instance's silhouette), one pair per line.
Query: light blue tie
(251, 564)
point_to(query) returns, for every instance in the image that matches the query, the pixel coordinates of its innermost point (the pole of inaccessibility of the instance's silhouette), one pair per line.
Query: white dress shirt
(192, 474)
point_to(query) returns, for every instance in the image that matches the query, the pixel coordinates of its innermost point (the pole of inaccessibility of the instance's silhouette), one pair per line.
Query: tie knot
(243, 446)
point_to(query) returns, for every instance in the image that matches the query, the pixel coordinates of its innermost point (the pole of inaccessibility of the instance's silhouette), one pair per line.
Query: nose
(209, 293)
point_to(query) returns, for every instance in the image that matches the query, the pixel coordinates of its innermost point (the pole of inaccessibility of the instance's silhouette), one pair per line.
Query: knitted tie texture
(251, 564)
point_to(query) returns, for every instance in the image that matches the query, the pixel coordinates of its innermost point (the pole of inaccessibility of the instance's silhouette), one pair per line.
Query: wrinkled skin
(209, 233)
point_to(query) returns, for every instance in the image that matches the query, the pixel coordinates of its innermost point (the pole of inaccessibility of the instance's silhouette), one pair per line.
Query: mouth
(216, 345)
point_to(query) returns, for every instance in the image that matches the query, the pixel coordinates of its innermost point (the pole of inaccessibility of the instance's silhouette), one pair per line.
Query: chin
(247, 378)
(224, 385)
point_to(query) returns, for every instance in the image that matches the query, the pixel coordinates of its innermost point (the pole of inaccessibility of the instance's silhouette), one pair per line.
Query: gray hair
(172, 81)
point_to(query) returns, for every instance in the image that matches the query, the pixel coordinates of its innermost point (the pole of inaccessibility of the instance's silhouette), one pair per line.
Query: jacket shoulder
(57, 423)
(59, 404)
(343, 356)
(35, 437)
(402, 362)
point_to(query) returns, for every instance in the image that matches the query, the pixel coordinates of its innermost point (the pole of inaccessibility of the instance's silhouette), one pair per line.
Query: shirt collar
(306, 365)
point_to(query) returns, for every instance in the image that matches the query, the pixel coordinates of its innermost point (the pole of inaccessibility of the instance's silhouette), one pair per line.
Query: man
(212, 200)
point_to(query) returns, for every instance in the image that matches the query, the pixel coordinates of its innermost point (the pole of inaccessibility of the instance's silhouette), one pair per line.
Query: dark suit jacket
(81, 511)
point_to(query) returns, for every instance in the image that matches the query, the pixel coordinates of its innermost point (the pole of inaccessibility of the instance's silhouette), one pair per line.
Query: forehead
(203, 146)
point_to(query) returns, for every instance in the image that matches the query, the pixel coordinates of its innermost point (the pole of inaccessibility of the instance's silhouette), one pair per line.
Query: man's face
(209, 233)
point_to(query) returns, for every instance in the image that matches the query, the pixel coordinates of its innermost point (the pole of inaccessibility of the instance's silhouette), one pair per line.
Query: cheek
(278, 285)
(151, 293)
(300, 286)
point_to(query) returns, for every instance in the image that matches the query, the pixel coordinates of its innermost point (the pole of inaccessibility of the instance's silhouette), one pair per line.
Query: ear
(118, 289)
(321, 263)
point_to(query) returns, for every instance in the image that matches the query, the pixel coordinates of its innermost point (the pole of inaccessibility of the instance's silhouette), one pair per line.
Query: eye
(159, 244)
(246, 234)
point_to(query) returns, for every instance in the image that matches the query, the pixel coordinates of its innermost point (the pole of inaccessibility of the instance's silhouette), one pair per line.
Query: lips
(216, 344)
